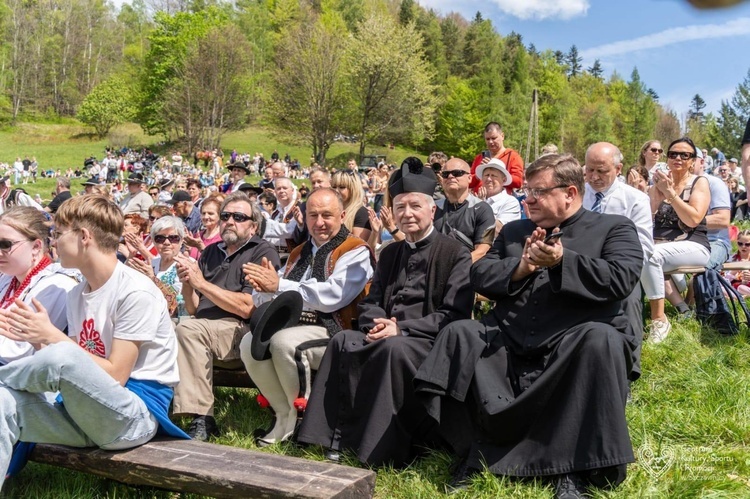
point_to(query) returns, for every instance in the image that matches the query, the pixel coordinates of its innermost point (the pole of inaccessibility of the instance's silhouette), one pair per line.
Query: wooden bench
(234, 378)
(728, 266)
(213, 470)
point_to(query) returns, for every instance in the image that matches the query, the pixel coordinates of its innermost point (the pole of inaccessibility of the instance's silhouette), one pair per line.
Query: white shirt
(51, 287)
(346, 282)
(622, 199)
(505, 207)
(128, 307)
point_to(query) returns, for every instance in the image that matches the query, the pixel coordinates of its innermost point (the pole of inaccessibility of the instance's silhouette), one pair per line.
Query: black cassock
(538, 387)
(362, 398)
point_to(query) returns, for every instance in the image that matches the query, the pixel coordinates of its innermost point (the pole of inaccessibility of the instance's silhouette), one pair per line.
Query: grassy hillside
(64, 146)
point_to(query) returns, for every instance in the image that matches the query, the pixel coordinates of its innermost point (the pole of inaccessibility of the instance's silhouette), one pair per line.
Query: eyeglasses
(238, 217)
(6, 245)
(161, 238)
(658, 151)
(537, 193)
(455, 173)
(743, 245)
(57, 235)
(684, 156)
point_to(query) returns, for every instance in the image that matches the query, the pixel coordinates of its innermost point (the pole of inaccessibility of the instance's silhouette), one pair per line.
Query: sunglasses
(238, 217)
(6, 245)
(743, 245)
(154, 193)
(161, 239)
(455, 173)
(684, 156)
(654, 149)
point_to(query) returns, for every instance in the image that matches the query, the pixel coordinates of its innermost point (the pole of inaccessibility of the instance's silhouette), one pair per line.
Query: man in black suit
(538, 387)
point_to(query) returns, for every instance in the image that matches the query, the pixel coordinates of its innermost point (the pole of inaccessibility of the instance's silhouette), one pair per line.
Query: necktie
(597, 208)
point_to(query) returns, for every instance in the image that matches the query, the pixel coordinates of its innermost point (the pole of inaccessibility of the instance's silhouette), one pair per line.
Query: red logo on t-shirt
(90, 340)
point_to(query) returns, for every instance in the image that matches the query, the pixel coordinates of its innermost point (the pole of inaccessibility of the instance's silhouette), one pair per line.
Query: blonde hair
(29, 222)
(356, 194)
(98, 215)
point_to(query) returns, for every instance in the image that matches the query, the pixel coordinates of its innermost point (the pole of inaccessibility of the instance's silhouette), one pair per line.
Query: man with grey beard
(220, 301)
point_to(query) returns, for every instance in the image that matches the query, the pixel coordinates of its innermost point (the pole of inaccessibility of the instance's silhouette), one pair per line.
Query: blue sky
(679, 50)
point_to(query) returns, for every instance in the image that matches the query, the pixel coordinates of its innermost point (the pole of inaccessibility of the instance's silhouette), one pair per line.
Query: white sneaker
(659, 331)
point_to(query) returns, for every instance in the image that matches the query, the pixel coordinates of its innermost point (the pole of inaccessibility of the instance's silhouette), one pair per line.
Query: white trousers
(666, 258)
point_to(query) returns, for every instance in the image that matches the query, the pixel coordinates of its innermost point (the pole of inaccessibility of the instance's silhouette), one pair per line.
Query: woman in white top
(28, 272)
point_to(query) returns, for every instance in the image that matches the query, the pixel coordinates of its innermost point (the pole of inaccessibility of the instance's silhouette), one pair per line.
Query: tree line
(386, 71)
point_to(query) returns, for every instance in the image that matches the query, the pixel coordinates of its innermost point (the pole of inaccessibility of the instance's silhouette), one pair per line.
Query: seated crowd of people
(374, 298)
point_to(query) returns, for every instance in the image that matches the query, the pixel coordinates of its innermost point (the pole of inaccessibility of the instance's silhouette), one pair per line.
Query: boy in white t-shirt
(114, 373)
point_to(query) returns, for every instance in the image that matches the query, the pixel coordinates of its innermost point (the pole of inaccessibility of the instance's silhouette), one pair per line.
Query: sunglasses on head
(161, 239)
(238, 217)
(684, 156)
(6, 244)
(656, 150)
(455, 173)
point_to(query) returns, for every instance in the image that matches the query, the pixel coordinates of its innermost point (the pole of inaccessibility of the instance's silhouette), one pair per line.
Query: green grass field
(689, 422)
(66, 146)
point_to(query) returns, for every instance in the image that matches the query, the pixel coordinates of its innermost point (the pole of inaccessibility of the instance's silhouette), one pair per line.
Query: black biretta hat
(412, 177)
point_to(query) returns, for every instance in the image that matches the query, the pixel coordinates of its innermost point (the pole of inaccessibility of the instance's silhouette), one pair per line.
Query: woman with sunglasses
(740, 279)
(210, 209)
(679, 202)
(28, 272)
(356, 219)
(167, 234)
(650, 155)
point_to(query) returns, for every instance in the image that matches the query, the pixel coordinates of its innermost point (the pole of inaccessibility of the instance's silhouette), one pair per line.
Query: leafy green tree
(697, 105)
(460, 120)
(406, 12)
(110, 103)
(309, 101)
(390, 84)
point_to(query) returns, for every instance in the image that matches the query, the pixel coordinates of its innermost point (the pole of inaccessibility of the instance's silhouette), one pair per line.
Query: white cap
(497, 165)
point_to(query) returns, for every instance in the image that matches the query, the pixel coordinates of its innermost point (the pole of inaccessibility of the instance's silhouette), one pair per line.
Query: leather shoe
(202, 427)
(570, 486)
(461, 478)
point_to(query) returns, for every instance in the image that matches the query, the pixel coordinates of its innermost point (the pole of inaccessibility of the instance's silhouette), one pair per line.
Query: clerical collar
(422, 242)
(573, 218)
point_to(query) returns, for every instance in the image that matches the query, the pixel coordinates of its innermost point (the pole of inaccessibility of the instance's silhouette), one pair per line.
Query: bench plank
(234, 378)
(213, 470)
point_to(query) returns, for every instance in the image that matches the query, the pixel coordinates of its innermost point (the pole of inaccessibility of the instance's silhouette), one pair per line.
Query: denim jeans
(96, 409)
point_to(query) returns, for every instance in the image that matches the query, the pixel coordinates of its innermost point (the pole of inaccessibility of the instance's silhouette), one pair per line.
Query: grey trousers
(96, 411)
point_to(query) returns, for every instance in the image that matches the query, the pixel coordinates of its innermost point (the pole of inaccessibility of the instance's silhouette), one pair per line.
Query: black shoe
(203, 427)
(461, 478)
(262, 432)
(569, 486)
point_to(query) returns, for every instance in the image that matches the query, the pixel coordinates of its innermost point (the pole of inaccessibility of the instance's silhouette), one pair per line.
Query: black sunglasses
(684, 156)
(654, 149)
(6, 244)
(455, 173)
(161, 239)
(238, 217)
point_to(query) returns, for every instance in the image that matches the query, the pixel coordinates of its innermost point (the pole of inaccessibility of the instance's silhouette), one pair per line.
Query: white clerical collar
(414, 244)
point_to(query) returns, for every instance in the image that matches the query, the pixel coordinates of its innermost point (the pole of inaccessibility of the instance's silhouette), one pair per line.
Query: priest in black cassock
(362, 399)
(538, 387)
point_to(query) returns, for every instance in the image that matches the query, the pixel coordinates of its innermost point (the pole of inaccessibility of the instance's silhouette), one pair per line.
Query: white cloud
(543, 9)
(671, 36)
(522, 9)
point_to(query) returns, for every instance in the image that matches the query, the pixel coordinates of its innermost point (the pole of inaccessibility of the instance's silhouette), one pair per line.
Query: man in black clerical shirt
(420, 286)
(540, 384)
